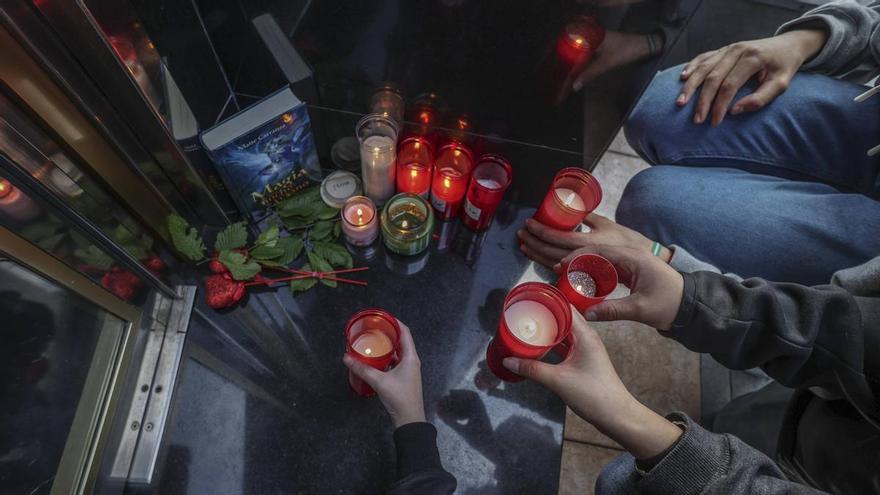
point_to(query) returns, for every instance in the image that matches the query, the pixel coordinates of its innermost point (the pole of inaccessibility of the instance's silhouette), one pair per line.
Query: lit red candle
(587, 280)
(491, 177)
(452, 170)
(573, 194)
(373, 338)
(536, 318)
(414, 166)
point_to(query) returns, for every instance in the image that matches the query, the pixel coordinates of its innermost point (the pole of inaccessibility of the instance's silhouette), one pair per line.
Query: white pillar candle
(372, 344)
(531, 322)
(378, 157)
(571, 199)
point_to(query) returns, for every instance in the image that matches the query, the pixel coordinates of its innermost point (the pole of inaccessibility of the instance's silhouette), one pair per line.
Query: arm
(853, 44)
(419, 470)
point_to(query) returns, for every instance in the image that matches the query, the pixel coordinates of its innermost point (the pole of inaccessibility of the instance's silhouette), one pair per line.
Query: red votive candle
(414, 166)
(452, 169)
(587, 280)
(492, 176)
(372, 337)
(580, 39)
(536, 318)
(573, 194)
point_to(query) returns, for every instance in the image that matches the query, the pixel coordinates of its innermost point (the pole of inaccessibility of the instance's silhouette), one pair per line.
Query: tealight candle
(407, 222)
(452, 168)
(574, 194)
(491, 178)
(359, 223)
(15, 203)
(378, 138)
(587, 280)
(414, 166)
(373, 337)
(536, 318)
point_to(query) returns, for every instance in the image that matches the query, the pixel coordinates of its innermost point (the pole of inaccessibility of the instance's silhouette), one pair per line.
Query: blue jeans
(786, 193)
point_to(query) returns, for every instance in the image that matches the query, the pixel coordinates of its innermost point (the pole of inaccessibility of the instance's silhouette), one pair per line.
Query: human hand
(587, 382)
(656, 289)
(548, 246)
(721, 73)
(399, 389)
(618, 49)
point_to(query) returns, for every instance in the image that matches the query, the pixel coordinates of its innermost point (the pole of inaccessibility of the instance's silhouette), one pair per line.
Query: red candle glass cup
(573, 194)
(452, 169)
(372, 337)
(491, 177)
(545, 308)
(577, 292)
(415, 166)
(580, 39)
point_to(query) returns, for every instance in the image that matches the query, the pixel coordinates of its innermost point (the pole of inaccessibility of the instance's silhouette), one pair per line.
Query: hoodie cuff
(686, 310)
(691, 464)
(814, 21)
(416, 445)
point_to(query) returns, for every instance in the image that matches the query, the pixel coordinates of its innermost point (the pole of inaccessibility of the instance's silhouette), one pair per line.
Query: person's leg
(814, 131)
(754, 225)
(615, 477)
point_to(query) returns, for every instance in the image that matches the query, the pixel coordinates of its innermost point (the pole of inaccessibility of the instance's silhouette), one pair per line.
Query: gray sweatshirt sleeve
(853, 46)
(684, 261)
(705, 462)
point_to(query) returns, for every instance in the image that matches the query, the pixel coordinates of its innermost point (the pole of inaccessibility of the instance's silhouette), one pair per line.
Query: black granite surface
(296, 427)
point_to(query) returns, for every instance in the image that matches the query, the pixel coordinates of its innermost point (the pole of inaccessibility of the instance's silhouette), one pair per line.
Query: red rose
(223, 291)
(124, 284)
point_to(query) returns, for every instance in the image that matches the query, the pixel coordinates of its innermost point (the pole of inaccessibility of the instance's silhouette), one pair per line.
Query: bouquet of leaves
(237, 264)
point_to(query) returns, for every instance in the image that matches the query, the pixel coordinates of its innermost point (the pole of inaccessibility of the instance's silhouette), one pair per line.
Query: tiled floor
(658, 371)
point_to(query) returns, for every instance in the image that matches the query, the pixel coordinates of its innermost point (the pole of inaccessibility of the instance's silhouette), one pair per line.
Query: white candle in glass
(531, 322)
(372, 344)
(378, 166)
(570, 198)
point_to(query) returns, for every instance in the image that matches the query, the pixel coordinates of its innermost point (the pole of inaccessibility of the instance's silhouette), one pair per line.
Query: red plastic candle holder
(452, 170)
(580, 39)
(506, 344)
(491, 177)
(599, 269)
(383, 329)
(573, 194)
(415, 166)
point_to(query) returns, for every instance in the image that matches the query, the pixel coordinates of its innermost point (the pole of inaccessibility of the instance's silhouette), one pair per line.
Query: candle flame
(368, 351)
(376, 150)
(456, 152)
(360, 214)
(2, 187)
(446, 183)
(416, 145)
(578, 40)
(404, 224)
(414, 173)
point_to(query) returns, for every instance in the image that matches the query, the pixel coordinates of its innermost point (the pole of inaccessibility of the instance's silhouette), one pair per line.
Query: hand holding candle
(586, 280)
(573, 194)
(399, 389)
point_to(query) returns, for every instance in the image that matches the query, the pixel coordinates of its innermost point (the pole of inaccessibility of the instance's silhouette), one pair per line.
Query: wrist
(641, 431)
(412, 416)
(809, 42)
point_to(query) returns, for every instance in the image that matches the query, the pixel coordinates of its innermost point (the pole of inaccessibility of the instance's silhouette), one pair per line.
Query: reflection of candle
(387, 101)
(378, 136)
(15, 203)
(531, 322)
(573, 195)
(359, 224)
(452, 169)
(373, 344)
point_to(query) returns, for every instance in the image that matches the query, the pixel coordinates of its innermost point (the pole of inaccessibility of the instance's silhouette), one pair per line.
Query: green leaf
(233, 237)
(293, 247)
(322, 230)
(296, 223)
(304, 211)
(186, 239)
(268, 237)
(326, 212)
(136, 250)
(303, 284)
(337, 255)
(263, 253)
(239, 266)
(319, 264)
(93, 256)
(337, 229)
(304, 205)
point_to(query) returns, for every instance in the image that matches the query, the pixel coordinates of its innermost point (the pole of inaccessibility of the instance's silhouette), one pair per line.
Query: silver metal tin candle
(407, 223)
(339, 186)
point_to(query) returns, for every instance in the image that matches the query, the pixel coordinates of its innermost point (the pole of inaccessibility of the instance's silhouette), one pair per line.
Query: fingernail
(576, 86)
(557, 267)
(346, 359)
(592, 316)
(698, 119)
(681, 99)
(511, 363)
(736, 110)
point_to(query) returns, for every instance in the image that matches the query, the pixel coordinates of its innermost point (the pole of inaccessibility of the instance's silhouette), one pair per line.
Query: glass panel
(50, 343)
(33, 150)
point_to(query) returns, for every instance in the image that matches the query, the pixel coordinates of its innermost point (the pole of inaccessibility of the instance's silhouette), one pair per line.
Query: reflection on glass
(30, 148)
(47, 345)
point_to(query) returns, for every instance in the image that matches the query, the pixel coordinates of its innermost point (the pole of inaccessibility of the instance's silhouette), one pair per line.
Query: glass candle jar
(16, 204)
(388, 101)
(407, 222)
(414, 166)
(360, 224)
(452, 168)
(372, 337)
(536, 318)
(377, 135)
(573, 194)
(492, 176)
(587, 280)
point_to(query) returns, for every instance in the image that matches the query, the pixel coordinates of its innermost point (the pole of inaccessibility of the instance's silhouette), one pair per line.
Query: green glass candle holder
(407, 223)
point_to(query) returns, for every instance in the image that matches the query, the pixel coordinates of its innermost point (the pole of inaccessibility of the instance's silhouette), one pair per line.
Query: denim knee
(653, 119)
(649, 198)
